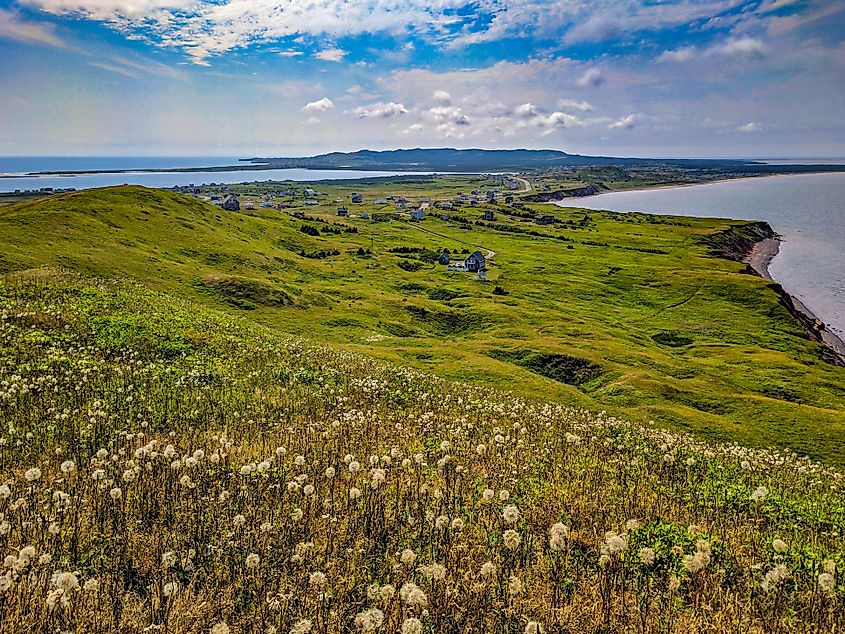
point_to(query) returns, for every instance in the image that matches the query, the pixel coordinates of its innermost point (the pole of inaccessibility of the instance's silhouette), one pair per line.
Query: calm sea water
(808, 210)
(20, 166)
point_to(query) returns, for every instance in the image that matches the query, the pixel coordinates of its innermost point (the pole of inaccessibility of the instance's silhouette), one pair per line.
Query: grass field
(625, 313)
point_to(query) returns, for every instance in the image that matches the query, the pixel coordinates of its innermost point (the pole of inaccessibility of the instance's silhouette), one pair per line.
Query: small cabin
(475, 262)
(230, 203)
(342, 211)
(444, 258)
(544, 219)
(357, 198)
(364, 215)
(418, 214)
(488, 215)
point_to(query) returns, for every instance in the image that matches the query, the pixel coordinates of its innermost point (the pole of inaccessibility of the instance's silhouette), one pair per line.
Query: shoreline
(758, 260)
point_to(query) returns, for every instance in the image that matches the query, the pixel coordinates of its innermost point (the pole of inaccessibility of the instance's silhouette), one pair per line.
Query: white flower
(116, 493)
(647, 555)
(65, 581)
(826, 582)
(779, 545)
(68, 467)
(91, 585)
(354, 493)
(487, 495)
(303, 626)
(252, 560)
(511, 539)
(759, 494)
(533, 627)
(220, 628)
(238, 521)
(412, 596)
(330, 473)
(557, 536)
(5, 492)
(32, 474)
(168, 560)
(171, 588)
(369, 620)
(613, 543)
(412, 626)
(488, 569)
(408, 557)
(514, 586)
(510, 514)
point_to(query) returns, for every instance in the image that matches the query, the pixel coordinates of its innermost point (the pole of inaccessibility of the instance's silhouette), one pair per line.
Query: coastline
(758, 259)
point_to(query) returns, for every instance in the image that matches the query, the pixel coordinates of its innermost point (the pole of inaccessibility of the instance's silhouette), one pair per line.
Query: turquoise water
(808, 210)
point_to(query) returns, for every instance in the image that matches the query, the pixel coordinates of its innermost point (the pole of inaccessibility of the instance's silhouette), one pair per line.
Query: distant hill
(478, 160)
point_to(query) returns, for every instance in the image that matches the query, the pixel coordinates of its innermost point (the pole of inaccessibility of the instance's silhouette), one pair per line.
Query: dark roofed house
(475, 262)
(443, 258)
(488, 215)
(357, 198)
(342, 211)
(544, 219)
(230, 203)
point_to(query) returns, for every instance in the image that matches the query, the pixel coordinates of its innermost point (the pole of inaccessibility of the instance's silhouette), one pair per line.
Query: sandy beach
(759, 259)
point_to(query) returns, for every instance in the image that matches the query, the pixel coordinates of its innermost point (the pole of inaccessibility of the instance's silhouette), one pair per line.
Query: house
(357, 198)
(488, 215)
(311, 203)
(266, 204)
(444, 204)
(309, 192)
(418, 214)
(444, 258)
(230, 203)
(544, 219)
(508, 200)
(425, 200)
(249, 205)
(380, 201)
(342, 211)
(475, 262)
(444, 217)
(400, 206)
(364, 215)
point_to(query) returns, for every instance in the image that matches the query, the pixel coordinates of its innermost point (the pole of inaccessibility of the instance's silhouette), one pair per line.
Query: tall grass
(169, 469)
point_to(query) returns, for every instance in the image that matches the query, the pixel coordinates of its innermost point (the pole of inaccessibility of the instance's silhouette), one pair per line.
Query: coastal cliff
(755, 244)
(560, 194)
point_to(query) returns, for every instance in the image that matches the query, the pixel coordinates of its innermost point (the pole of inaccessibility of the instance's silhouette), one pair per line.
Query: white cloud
(574, 104)
(331, 55)
(312, 120)
(751, 126)
(380, 111)
(321, 105)
(591, 78)
(442, 97)
(743, 47)
(291, 53)
(625, 123)
(14, 27)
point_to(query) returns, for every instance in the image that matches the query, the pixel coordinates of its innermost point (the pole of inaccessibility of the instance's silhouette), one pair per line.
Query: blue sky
(291, 77)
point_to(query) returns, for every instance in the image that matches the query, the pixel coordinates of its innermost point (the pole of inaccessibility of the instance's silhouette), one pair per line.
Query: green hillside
(626, 313)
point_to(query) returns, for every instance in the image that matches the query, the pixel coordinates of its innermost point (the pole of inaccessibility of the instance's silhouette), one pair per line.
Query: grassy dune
(665, 332)
(168, 467)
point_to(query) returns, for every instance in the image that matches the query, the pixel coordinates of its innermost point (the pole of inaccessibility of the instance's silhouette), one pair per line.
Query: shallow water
(808, 210)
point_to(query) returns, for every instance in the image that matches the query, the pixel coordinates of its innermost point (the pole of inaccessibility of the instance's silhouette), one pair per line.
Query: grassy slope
(749, 374)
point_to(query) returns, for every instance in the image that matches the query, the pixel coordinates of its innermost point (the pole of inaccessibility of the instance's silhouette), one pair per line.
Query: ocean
(807, 210)
(14, 170)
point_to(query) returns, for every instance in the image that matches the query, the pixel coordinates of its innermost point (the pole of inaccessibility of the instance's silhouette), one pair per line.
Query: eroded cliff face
(737, 242)
(560, 194)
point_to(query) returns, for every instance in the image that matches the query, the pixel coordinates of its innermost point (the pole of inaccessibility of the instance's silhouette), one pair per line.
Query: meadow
(626, 313)
(172, 467)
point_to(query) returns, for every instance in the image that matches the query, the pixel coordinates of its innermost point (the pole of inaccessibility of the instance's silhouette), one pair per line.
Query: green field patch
(672, 339)
(245, 293)
(448, 322)
(560, 367)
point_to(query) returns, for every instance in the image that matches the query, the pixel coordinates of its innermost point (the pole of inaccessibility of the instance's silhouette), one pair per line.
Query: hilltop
(625, 313)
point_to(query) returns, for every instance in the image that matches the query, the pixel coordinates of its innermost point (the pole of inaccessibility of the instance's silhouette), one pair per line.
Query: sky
(693, 78)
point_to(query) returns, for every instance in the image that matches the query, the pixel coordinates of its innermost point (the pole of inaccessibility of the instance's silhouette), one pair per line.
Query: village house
(357, 198)
(312, 203)
(444, 204)
(364, 215)
(342, 211)
(380, 201)
(488, 215)
(309, 192)
(475, 262)
(230, 203)
(249, 205)
(544, 219)
(444, 257)
(418, 214)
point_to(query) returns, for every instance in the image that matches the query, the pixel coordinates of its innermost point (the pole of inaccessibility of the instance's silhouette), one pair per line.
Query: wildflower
(68, 467)
(5, 492)
(457, 524)
(303, 626)
(436, 572)
(829, 566)
(779, 545)
(354, 493)
(91, 585)
(826, 582)
(32, 474)
(369, 620)
(186, 482)
(330, 473)
(116, 493)
(504, 495)
(511, 539)
(412, 596)
(378, 476)
(308, 490)
(65, 581)
(487, 495)
(613, 543)
(646, 556)
(252, 560)
(759, 494)
(412, 626)
(775, 577)
(481, 449)
(354, 466)
(514, 586)
(238, 521)
(533, 627)
(441, 522)
(488, 570)
(558, 534)
(511, 514)
(408, 557)
(220, 628)
(674, 583)
(317, 579)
